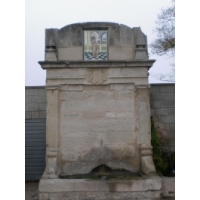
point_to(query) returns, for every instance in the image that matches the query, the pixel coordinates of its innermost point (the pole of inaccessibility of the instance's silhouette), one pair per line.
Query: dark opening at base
(104, 172)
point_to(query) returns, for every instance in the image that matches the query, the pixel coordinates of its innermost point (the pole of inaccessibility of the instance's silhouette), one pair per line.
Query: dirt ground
(31, 191)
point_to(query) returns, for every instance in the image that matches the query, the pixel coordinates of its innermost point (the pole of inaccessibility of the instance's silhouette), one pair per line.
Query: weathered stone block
(97, 138)
(75, 125)
(167, 104)
(126, 36)
(64, 35)
(147, 165)
(51, 55)
(135, 72)
(141, 54)
(112, 124)
(73, 88)
(76, 35)
(148, 195)
(144, 187)
(121, 53)
(64, 81)
(85, 102)
(168, 184)
(51, 37)
(52, 118)
(122, 87)
(31, 107)
(114, 36)
(83, 151)
(70, 53)
(137, 81)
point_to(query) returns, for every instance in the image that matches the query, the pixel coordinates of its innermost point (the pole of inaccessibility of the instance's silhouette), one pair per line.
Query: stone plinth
(73, 189)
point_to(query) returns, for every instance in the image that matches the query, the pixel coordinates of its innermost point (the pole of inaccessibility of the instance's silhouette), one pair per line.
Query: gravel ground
(31, 191)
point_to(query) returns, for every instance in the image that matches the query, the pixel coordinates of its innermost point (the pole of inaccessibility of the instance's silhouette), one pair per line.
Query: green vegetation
(161, 163)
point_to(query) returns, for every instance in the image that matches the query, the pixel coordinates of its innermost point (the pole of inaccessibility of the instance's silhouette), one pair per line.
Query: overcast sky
(42, 14)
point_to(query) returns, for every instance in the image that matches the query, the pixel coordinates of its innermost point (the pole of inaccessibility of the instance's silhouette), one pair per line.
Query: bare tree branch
(169, 77)
(165, 30)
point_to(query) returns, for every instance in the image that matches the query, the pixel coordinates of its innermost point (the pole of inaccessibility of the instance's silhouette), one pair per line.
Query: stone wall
(35, 100)
(162, 97)
(97, 124)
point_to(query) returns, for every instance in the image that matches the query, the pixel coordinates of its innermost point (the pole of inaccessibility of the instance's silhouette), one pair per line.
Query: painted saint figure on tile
(95, 45)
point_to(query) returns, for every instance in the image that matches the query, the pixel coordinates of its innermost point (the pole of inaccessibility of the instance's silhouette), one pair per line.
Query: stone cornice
(95, 64)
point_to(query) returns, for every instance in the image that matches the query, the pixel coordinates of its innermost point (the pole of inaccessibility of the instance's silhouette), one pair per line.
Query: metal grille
(35, 148)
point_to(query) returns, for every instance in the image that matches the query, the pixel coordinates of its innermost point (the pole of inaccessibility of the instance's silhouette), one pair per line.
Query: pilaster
(52, 133)
(144, 137)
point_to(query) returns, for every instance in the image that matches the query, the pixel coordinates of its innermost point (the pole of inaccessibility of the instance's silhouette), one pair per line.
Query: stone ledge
(80, 185)
(150, 195)
(80, 189)
(95, 64)
(150, 188)
(168, 186)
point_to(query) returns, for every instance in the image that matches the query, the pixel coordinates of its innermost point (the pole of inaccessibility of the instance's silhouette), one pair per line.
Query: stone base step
(145, 188)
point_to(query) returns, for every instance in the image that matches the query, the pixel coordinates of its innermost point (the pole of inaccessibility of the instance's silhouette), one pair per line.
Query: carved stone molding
(97, 76)
(51, 170)
(147, 165)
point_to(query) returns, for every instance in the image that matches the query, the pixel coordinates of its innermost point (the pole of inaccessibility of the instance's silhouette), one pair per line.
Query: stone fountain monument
(98, 114)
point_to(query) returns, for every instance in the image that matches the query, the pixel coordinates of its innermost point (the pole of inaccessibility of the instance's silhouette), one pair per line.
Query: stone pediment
(121, 42)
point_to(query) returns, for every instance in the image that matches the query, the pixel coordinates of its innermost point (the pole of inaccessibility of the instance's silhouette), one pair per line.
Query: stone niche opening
(98, 114)
(104, 172)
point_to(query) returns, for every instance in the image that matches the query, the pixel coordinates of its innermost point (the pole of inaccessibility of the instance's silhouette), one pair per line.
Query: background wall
(35, 100)
(162, 99)
(35, 132)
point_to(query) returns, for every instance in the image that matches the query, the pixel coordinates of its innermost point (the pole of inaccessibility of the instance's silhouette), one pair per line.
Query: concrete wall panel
(35, 99)
(163, 104)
